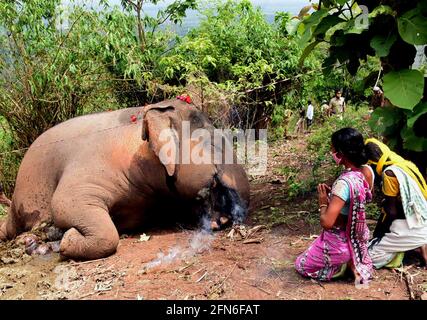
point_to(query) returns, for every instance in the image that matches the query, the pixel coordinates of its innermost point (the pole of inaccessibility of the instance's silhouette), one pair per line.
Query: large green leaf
(337, 27)
(382, 10)
(386, 121)
(292, 26)
(326, 24)
(354, 28)
(404, 88)
(309, 24)
(419, 110)
(413, 27)
(382, 44)
(307, 50)
(342, 2)
(422, 6)
(412, 141)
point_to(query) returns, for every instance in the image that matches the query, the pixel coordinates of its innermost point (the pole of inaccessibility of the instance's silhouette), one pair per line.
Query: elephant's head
(219, 190)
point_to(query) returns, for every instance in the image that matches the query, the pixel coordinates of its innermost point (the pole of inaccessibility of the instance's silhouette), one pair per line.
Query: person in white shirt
(310, 114)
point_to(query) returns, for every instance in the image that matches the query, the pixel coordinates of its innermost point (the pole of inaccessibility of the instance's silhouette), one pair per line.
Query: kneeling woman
(345, 235)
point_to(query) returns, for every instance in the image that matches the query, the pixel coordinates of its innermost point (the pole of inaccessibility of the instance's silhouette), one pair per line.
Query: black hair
(349, 142)
(373, 152)
(309, 101)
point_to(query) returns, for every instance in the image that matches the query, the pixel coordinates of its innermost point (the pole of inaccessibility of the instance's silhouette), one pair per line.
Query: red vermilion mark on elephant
(134, 118)
(185, 98)
(113, 178)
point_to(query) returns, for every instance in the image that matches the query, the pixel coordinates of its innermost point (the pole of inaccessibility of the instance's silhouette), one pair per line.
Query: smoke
(174, 253)
(237, 211)
(199, 242)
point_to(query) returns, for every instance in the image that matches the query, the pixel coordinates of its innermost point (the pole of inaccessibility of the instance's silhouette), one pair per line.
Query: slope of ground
(189, 264)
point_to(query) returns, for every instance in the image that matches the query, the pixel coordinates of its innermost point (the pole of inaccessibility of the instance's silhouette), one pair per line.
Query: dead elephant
(98, 175)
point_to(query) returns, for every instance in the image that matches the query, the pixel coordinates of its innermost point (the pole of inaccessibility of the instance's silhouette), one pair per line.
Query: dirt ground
(256, 263)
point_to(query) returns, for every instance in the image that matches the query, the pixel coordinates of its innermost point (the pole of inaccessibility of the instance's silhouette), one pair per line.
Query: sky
(269, 7)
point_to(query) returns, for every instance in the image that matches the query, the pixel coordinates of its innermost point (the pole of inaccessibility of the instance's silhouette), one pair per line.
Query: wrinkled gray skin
(98, 175)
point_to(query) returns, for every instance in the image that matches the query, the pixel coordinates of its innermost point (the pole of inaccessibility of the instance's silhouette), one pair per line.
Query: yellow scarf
(391, 158)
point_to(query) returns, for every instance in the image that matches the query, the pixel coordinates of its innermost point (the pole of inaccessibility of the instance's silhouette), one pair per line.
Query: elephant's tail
(6, 202)
(3, 231)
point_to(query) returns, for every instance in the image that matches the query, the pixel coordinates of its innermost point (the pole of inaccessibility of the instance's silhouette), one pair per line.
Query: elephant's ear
(159, 131)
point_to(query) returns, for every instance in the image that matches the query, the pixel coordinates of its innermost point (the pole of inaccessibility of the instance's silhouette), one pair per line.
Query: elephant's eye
(196, 121)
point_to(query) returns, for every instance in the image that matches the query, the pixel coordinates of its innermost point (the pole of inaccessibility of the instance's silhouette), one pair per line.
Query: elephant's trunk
(226, 205)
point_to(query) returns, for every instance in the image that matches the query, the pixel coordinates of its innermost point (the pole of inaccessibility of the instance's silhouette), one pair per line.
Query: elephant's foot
(33, 246)
(77, 246)
(221, 223)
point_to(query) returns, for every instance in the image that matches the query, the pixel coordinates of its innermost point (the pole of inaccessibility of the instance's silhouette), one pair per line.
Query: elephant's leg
(90, 234)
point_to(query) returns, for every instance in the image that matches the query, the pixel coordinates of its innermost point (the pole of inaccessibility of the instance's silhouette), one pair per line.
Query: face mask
(336, 158)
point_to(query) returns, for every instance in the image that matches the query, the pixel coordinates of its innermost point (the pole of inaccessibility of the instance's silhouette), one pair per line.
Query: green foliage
(404, 88)
(319, 142)
(60, 62)
(233, 43)
(373, 211)
(48, 71)
(234, 50)
(412, 26)
(393, 28)
(382, 44)
(9, 162)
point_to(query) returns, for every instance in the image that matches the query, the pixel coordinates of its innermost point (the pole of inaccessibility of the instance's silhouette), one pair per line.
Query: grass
(3, 211)
(373, 211)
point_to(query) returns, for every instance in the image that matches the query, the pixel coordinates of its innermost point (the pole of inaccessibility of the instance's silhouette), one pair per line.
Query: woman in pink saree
(344, 238)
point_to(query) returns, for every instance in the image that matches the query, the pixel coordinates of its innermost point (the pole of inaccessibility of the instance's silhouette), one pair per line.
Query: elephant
(96, 176)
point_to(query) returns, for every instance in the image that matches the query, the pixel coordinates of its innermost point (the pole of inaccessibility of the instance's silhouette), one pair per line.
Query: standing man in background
(310, 114)
(337, 104)
(299, 128)
(377, 100)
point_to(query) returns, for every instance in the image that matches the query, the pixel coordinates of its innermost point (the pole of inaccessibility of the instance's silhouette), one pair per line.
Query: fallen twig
(404, 274)
(5, 286)
(319, 283)
(73, 263)
(201, 278)
(256, 240)
(295, 242)
(254, 230)
(194, 273)
(289, 227)
(185, 267)
(259, 288)
(223, 281)
(408, 285)
(90, 294)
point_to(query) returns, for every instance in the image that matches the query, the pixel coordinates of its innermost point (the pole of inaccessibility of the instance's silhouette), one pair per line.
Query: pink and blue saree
(335, 247)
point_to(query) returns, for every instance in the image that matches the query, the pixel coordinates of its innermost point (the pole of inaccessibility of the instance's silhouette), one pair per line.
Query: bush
(9, 161)
(319, 142)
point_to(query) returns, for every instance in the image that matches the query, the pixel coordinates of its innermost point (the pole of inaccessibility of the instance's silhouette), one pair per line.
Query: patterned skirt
(325, 256)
